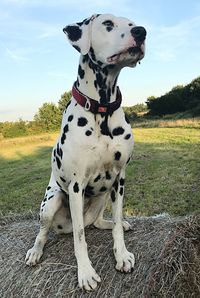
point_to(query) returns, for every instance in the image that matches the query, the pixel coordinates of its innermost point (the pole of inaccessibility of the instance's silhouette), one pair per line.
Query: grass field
(164, 175)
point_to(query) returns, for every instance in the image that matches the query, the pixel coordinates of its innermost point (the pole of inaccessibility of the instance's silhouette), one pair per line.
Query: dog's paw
(125, 261)
(88, 278)
(126, 225)
(33, 256)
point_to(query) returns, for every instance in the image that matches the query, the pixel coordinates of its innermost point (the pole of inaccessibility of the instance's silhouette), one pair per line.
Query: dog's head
(108, 39)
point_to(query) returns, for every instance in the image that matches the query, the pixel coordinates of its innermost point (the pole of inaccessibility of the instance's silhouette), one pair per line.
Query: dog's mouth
(136, 53)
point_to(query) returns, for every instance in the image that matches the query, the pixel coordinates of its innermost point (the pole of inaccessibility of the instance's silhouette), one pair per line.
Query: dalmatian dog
(94, 146)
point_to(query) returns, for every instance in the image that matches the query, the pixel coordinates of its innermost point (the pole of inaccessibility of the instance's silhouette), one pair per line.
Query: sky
(37, 63)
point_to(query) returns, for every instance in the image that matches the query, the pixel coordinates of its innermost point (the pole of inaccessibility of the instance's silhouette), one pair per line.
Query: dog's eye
(109, 25)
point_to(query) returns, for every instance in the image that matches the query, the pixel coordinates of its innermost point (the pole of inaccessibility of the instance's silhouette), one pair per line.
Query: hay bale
(167, 255)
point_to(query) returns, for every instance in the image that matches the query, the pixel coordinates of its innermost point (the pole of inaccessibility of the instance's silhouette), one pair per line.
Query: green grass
(164, 175)
(24, 172)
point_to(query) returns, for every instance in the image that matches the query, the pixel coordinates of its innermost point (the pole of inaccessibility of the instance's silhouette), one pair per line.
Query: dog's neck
(96, 80)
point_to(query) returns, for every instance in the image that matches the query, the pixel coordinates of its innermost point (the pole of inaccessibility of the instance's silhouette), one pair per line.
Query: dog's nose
(139, 33)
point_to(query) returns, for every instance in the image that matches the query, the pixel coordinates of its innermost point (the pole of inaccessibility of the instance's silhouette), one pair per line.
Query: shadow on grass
(24, 179)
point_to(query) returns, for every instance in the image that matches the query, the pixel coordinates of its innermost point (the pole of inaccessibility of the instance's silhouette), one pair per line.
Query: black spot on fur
(109, 25)
(108, 177)
(113, 197)
(70, 118)
(44, 199)
(122, 35)
(108, 94)
(82, 121)
(49, 198)
(103, 188)
(88, 133)
(100, 63)
(117, 155)
(59, 227)
(89, 191)
(81, 72)
(77, 48)
(59, 151)
(76, 187)
(58, 162)
(68, 104)
(104, 128)
(49, 187)
(58, 184)
(118, 131)
(97, 178)
(105, 71)
(62, 179)
(114, 85)
(115, 185)
(99, 79)
(95, 84)
(127, 136)
(121, 181)
(74, 32)
(63, 138)
(92, 54)
(109, 28)
(121, 191)
(127, 119)
(66, 128)
(85, 58)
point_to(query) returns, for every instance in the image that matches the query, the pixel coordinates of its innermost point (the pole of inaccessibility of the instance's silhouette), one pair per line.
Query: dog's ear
(79, 34)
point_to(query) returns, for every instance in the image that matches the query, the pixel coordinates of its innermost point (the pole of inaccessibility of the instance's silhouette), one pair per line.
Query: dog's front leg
(125, 260)
(87, 277)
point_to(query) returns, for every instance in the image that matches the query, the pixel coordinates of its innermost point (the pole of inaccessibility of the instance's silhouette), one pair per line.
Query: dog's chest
(94, 149)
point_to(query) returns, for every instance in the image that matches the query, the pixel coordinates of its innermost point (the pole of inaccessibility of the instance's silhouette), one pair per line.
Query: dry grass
(165, 122)
(166, 250)
(16, 148)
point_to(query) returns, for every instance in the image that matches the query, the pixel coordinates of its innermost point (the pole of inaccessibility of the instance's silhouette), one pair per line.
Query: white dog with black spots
(94, 146)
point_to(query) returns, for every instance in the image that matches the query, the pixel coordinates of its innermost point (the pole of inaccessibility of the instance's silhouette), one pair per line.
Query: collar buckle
(87, 104)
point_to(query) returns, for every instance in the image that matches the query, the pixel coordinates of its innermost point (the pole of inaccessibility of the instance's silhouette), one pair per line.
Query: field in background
(175, 120)
(164, 175)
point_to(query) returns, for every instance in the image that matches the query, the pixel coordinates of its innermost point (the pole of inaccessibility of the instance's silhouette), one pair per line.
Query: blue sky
(37, 64)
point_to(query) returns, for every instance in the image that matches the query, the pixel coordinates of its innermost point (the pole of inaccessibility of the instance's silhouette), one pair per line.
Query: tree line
(179, 99)
(49, 116)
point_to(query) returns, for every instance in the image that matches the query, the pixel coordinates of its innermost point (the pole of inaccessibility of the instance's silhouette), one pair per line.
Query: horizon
(38, 64)
(123, 106)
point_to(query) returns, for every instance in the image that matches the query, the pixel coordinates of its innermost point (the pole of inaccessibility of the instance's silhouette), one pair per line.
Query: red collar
(94, 106)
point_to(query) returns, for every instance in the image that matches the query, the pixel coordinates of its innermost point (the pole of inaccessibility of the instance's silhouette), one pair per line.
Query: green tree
(14, 129)
(64, 100)
(179, 99)
(48, 117)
